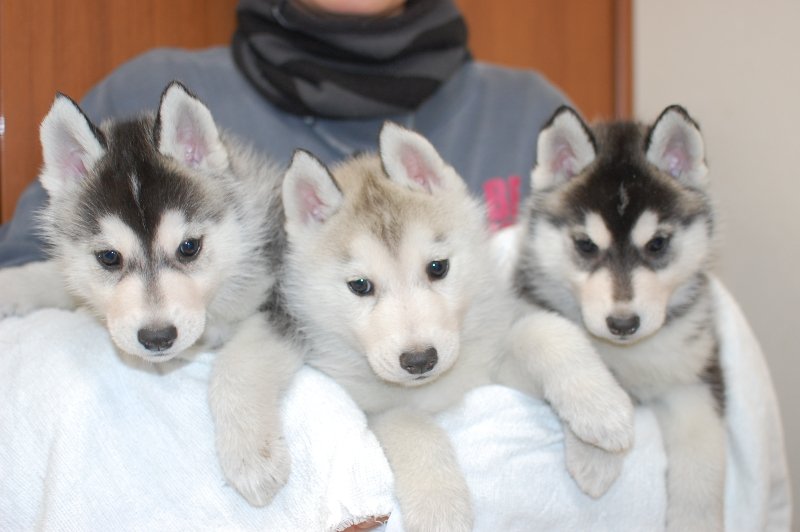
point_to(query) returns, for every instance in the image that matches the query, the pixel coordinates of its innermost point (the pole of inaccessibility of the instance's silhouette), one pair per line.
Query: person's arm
(19, 239)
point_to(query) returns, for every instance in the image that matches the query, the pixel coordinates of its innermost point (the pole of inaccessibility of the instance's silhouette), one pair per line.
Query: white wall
(735, 65)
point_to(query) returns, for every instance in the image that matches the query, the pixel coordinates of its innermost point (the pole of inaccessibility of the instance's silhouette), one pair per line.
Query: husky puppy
(390, 280)
(617, 238)
(170, 232)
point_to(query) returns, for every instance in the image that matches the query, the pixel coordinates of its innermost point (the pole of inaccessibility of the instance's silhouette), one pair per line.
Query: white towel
(91, 442)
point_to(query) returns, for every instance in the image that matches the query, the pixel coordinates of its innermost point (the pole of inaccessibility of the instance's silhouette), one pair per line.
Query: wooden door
(582, 46)
(69, 45)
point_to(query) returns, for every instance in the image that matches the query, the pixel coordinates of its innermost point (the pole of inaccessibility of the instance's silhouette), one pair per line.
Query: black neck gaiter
(348, 67)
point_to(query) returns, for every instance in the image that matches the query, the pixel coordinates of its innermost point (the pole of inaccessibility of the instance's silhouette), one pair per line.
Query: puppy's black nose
(623, 325)
(157, 339)
(417, 362)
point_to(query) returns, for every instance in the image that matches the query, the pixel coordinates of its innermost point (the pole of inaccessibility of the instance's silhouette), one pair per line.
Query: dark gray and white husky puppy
(170, 232)
(618, 237)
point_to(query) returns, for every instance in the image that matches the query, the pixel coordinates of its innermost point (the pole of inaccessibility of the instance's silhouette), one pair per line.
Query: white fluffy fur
(251, 374)
(430, 489)
(554, 359)
(467, 316)
(694, 440)
(32, 286)
(597, 231)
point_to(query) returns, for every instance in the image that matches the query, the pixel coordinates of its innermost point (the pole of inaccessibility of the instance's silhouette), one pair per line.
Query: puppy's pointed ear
(565, 147)
(411, 161)
(71, 146)
(185, 130)
(675, 145)
(310, 195)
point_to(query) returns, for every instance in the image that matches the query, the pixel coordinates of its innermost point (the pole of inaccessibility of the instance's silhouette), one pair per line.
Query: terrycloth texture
(90, 443)
(511, 449)
(757, 495)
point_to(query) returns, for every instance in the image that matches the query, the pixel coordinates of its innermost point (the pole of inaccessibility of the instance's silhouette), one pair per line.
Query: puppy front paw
(602, 417)
(10, 308)
(440, 512)
(575, 380)
(257, 471)
(18, 297)
(593, 469)
(30, 287)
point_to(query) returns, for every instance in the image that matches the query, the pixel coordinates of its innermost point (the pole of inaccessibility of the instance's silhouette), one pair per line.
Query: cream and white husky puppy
(170, 232)
(397, 297)
(618, 238)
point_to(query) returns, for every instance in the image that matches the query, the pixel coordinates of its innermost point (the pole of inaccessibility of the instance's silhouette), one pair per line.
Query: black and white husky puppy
(170, 232)
(618, 238)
